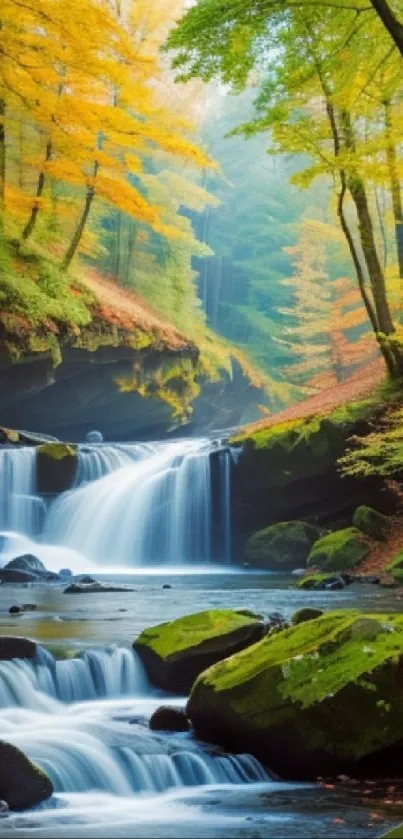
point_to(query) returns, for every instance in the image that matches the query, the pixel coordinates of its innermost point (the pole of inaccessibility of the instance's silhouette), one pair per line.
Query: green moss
(297, 681)
(394, 833)
(288, 433)
(370, 522)
(305, 614)
(314, 581)
(396, 564)
(172, 637)
(57, 451)
(282, 545)
(339, 551)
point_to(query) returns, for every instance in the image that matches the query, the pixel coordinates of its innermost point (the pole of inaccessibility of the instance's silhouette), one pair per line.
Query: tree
(327, 328)
(317, 100)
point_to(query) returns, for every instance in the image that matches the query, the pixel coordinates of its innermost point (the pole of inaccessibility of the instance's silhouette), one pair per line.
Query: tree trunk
(394, 186)
(72, 249)
(390, 22)
(358, 193)
(39, 190)
(2, 163)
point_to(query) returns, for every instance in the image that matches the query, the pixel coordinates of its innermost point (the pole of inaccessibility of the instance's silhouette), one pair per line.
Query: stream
(141, 515)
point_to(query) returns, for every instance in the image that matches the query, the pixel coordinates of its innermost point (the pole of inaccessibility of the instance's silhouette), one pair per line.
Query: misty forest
(201, 419)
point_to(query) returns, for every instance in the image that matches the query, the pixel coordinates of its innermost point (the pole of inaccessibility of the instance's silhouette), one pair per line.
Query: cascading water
(84, 722)
(21, 510)
(152, 505)
(131, 506)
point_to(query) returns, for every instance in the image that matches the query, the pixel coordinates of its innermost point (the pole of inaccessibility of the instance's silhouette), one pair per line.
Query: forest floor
(357, 386)
(137, 310)
(384, 552)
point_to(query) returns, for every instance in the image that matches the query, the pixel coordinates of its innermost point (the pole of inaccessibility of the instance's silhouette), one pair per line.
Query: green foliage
(379, 453)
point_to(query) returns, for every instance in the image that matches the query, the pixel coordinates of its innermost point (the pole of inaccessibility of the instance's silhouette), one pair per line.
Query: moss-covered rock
(56, 467)
(284, 545)
(339, 551)
(314, 699)
(320, 582)
(22, 783)
(305, 614)
(175, 653)
(372, 523)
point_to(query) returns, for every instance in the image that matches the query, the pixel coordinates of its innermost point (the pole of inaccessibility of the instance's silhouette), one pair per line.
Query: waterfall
(152, 505)
(21, 510)
(54, 714)
(131, 506)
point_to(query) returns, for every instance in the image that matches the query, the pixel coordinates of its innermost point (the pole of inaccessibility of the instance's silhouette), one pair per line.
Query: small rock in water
(167, 585)
(25, 607)
(65, 572)
(4, 808)
(167, 718)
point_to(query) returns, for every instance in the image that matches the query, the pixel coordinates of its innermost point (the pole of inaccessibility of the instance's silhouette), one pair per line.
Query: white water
(21, 509)
(132, 506)
(72, 718)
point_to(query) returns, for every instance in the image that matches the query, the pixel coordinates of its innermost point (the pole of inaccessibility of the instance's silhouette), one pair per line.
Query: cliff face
(290, 471)
(96, 356)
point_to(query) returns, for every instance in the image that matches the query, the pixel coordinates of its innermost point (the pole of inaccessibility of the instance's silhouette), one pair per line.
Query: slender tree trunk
(390, 22)
(358, 193)
(89, 197)
(394, 186)
(372, 315)
(2, 163)
(28, 229)
(72, 249)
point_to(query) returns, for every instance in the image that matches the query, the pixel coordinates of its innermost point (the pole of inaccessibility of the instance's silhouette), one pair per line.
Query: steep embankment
(288, 470)
(77, 352)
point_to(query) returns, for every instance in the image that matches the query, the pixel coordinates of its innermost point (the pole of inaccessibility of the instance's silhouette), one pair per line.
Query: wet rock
(284, 545)
(56, 467)
(65, 572)
(26, 569)
(167, 585)
(24, 607)
(175, 653)
(22, 783)
(167, 718)
(317, 699)
(323, 582)
(389, 581)
(4, 809)
(306, 614)
(15, 647)
(94, 437)
(94, 588)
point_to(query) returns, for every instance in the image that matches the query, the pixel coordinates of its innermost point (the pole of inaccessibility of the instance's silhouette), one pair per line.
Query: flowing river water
(142, 515)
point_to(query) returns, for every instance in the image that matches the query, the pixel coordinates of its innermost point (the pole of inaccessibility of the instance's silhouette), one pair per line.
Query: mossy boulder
(372, 523)
(315, 699)
(175, 653)
(321, 582)
(339, 551)
(305, 614)
(56, 467)
(22, 783)
(284, 545)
